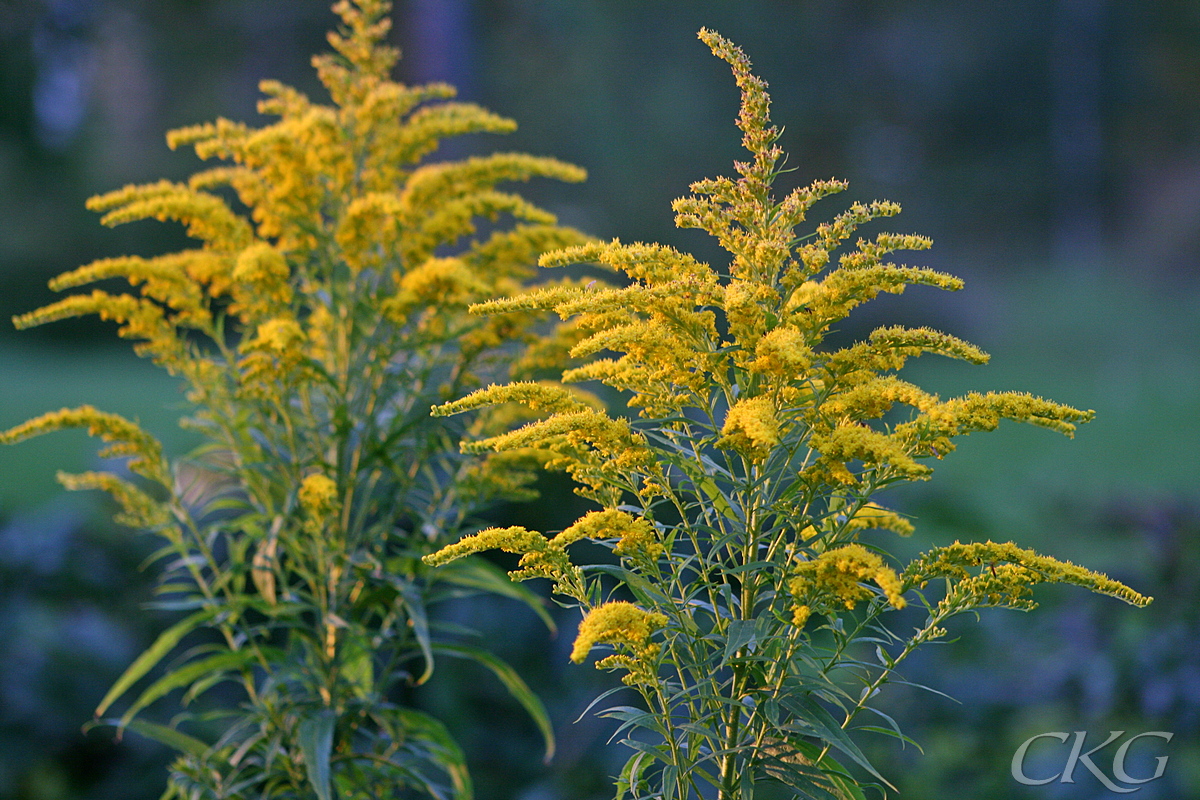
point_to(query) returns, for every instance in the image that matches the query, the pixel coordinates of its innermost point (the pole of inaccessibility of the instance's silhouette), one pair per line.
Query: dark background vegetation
(1051, 148)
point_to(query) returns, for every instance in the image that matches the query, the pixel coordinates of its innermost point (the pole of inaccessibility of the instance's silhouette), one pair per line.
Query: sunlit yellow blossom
(1009, 586)
(441, 283)
(591, 444)
(138, 509)
(540, 397)
(540, 557)
(747, 306)
(751, 428)
(635, 536)
(279, 335)
(875, 397)
(125, 438)
(317, 316)
(206, 216)
(514, 539)
(318, 494)
(845, 289)
(732, 525)
(369, 230)
(261, 281)
(784, 351)
(870, 516)
(319, 334)
(652, 264)
(618, 622)
(857, 442)
(137, 317)
(169, 278)
(873, 516)
(888, 348)
(838, 574)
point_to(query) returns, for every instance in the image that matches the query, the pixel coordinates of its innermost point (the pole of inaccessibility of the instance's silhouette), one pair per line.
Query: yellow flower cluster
(688, 336)
(635, 537)
(357, 253)
(622, 623)
(591, 446)
(347, 174)
(751, 428)
(1006, 574)
(540, 557)
(318, 496)
(125, 438)
(739, 494)
(870, 516)
(547, 558)
(138, 509)
(838, 575)
(685, 340)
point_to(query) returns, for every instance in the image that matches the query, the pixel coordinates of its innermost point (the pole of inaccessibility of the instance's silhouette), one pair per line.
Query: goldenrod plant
(748, 604)
(319, 317)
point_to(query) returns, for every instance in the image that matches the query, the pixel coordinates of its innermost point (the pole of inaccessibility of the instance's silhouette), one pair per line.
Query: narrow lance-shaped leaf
(212, 667)
(159, 733)
(315, 736)
(517, 687)
(452, 759)
(165, 642)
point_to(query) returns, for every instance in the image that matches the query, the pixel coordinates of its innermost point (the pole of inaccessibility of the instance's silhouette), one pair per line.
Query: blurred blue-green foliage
(1050, 147)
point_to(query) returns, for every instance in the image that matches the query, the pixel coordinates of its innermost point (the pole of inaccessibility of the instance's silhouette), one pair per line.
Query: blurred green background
(1051, 149)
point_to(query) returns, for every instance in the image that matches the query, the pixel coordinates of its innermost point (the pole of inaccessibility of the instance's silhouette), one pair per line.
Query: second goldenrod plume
(740, 499)
(318, 314)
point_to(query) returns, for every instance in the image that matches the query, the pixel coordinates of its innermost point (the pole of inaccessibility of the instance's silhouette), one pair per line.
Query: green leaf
(670, 779)
(414, 606)
(633, 718)
(358, 668)
(315, 736)
(742, 633)
(475, 573)
(824, 726)
(165, 642)
(455, 762)
(838, 779)
(517, 687)
(718, 498)
(894, 729)
(184, 676)
(631, 774)
(159, 733)
(644, 591)
(597, 700)
(889, 732)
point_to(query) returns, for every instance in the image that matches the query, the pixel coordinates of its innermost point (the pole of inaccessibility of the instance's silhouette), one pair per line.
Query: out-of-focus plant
(319, 318)
(747, 606)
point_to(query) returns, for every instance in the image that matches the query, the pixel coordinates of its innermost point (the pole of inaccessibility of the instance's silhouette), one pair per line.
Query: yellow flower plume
(837, 575)
(618, 622)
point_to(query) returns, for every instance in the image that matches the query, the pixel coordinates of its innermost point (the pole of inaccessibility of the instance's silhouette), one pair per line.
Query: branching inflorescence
(738, 499)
